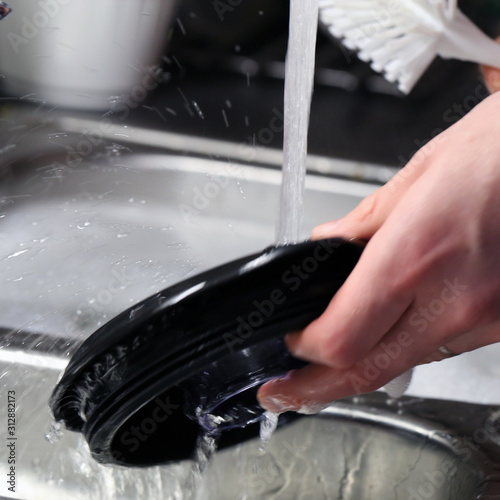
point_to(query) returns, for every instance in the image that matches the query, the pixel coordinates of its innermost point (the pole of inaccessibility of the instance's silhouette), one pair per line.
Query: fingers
(360, 314)
(491, 77)
(470, 341)
(314, 387)
(365, 220)
(306, 391)
(342, 335)
(380, 289)
(479, 337)
(436, 355)
(418, 239)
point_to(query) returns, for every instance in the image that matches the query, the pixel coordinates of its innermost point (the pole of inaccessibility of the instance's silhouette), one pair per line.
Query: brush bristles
(399, 39)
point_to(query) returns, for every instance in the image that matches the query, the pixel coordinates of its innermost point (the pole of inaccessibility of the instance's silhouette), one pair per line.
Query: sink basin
(95, 218)
(93, 223)
(362, 450)
(369, 448)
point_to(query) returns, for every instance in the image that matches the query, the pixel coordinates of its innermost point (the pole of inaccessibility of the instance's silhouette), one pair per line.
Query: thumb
(491, 76)
(366, 219)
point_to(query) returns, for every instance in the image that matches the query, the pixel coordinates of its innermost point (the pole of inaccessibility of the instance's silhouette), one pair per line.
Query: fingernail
(277, 403)
(325, 230)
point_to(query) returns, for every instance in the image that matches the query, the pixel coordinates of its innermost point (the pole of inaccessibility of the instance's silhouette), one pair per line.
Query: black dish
(142, 385)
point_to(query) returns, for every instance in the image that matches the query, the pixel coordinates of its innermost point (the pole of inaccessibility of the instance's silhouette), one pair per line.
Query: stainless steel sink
(95, 217)
(369, 448)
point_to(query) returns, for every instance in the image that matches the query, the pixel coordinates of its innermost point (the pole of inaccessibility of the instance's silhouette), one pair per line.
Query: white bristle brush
(402, 37)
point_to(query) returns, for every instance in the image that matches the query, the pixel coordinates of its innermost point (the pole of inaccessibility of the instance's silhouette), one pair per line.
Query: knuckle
(340, 355)
(476, 310)
(411, 269)
(368, 208)
(330, 343)
(403, 283)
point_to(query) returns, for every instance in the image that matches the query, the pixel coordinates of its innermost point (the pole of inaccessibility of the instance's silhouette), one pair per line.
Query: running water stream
(268, 425)
(299, 77)
(299, 80)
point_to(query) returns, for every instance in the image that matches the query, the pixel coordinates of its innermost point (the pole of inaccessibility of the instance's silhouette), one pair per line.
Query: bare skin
(429, 276)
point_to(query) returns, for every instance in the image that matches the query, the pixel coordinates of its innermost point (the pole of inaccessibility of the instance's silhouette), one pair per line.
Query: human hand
(428, 277)
(491, 76)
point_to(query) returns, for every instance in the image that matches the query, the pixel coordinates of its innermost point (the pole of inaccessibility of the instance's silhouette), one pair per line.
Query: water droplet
(198, 110)
(225, 118)
(181, 26)
(16, 254)
(54, 433)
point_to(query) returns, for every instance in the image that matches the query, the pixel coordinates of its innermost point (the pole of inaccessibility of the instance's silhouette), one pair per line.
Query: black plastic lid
(140, 387)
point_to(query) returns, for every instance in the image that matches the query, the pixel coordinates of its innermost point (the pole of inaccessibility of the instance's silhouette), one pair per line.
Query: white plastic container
(79, 53)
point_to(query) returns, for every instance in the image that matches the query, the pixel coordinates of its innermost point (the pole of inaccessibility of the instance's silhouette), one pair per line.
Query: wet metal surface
(369, 449)
(93, 220)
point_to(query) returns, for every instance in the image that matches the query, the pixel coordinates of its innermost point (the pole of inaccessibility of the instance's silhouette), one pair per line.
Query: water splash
(55, 433)
(267, 427)
(205, 450)
(4, 10)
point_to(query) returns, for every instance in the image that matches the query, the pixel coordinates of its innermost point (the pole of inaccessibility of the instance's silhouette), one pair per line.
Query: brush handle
(464, 40)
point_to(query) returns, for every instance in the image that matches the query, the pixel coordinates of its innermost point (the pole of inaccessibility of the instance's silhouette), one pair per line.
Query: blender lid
(136, 387)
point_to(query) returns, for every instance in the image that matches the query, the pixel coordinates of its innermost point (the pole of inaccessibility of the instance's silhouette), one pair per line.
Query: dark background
(355, 113)
(225, 66)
